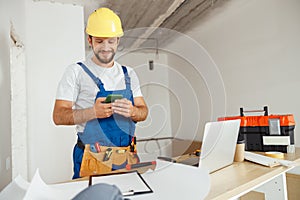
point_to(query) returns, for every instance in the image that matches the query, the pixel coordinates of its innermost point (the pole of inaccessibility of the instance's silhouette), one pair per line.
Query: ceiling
(141, 19)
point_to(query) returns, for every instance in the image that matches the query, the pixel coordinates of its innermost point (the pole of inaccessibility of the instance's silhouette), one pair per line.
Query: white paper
(168, 181)
(176, 181)
(15, 190)
(38, 189)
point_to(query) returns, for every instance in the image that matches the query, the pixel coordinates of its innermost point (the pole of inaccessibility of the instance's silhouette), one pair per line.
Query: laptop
(218, 145)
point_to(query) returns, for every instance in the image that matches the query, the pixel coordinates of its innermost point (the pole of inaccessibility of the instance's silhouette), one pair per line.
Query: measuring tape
(274, 154)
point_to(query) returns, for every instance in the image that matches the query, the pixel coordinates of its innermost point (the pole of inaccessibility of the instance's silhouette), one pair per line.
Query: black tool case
(267, 132)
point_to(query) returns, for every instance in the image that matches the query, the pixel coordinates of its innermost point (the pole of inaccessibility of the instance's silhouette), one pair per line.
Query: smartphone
(112, 97)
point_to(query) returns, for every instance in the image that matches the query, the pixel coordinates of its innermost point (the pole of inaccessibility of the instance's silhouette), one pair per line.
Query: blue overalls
(115, 130)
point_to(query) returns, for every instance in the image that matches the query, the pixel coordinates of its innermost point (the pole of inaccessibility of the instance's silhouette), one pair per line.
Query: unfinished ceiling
(177, 15)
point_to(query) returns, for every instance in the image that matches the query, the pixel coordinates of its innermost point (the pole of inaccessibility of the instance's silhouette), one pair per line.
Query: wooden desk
(240, 178)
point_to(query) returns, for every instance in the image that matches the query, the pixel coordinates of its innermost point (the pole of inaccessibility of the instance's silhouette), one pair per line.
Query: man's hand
(63, 114)
(102, 110)
(123, 107)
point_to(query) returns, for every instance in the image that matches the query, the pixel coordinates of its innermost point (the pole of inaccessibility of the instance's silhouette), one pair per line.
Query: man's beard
(105, 60)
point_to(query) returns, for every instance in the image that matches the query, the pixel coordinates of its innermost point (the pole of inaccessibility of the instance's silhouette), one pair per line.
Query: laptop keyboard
(193, 161)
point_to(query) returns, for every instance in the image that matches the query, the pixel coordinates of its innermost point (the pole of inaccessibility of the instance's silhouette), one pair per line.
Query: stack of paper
(38, 189)
(168, 181)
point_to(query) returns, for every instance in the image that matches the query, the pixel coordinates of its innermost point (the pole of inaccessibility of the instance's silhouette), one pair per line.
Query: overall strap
(95, 79)
(127, 78)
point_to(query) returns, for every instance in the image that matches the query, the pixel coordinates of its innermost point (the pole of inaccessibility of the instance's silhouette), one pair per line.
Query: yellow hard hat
(104, 23)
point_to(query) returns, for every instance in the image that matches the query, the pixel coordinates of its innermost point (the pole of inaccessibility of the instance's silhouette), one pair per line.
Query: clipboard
(130, 183)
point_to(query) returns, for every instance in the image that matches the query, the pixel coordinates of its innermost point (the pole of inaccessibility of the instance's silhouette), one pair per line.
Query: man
(84, 87)
(101, 191)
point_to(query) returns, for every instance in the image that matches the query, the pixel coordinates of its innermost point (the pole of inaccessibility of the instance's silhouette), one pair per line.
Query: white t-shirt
(77, 86)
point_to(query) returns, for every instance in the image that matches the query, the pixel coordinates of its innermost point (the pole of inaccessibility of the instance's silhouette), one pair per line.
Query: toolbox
(266, 132)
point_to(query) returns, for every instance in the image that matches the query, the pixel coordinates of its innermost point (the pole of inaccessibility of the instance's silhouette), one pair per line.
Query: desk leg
(275, 188)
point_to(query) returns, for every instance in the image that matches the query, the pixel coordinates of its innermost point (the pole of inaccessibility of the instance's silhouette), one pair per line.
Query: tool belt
(107, 160)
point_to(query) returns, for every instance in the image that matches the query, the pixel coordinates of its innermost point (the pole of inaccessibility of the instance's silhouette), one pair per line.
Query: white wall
(198, 87)
(55, 39)
(10, 11)
(155, 88)
(193, 105)
(256, 46)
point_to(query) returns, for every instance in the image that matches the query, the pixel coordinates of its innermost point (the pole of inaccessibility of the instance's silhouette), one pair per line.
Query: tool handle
(107, 154)
(142, 164)
(265, 110)
(97, 145)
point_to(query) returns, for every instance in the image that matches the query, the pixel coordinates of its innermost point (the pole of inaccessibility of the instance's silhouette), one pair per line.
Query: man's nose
(105, 45)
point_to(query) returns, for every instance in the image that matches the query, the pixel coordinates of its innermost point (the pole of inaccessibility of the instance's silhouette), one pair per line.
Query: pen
(128, 193)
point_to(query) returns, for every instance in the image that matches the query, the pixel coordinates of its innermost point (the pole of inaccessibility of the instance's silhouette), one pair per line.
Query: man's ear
(90, 40)
(118, 40)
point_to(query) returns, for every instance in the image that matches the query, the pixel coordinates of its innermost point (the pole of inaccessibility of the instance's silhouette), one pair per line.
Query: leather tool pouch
(95, 163)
